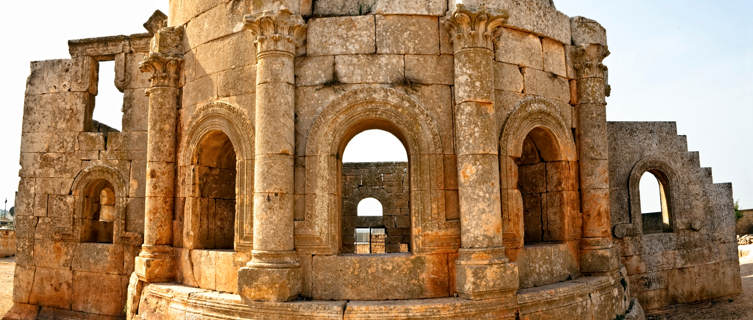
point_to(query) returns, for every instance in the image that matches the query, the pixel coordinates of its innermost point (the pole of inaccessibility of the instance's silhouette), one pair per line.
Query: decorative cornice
(278, 30)
(165, 69)
(474, 29)
(588, 61)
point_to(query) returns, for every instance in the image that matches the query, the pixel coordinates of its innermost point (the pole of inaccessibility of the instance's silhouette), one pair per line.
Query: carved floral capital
(587, 61)
(474, 29)
(165, 69)
(278, 30)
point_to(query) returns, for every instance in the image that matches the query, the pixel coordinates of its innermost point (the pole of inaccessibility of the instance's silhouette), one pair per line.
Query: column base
(271, 276)
(485, 274)
(155, 264)
(598, 256)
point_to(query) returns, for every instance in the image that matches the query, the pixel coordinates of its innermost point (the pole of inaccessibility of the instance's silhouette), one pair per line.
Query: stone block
(520, 48)
(268, 284)
(135, 110)
(56, 112)
(313, 71)
(484, 281)
(533, 178)
(100, 258)
(508, 77)
(48, 141)
(236, 81)
(136, 78)
(204, 262)
(23, 279)
(340, 35)
(401, 7)
(474, 76)
(324, 8)
(429, 69)
(52, 288)
(379, 277)
(98, 293)
(234, 51)
(90, 141)
(544, 264)
(586, 31)
(369, 69)
(217, 21)
(554, 57)
(546, 84)
(397, 34)
(60, 76)
(562, 176)
(53, 254)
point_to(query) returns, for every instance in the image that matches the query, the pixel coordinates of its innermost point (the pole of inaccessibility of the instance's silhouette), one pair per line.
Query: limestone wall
(66, 157)
(697, 259)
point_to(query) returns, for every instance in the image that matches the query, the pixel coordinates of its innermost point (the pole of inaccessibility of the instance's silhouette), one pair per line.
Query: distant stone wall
(7, 243)
(744, 225)
(386, 182)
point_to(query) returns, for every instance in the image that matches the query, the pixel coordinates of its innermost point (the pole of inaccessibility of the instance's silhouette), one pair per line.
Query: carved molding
(278, 30)
(469, 29)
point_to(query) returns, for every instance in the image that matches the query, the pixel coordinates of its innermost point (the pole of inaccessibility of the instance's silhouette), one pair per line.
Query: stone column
(274, 273)
(597, 252)
(155, 263)
(482, 269)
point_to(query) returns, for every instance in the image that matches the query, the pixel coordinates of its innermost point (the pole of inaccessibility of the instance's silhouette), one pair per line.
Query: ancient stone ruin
(225, 195)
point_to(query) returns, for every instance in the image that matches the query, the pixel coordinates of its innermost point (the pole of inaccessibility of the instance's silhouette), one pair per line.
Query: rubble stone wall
(697, 259)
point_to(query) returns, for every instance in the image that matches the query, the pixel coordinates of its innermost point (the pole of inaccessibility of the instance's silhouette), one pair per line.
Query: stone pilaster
(597, 252)
(482, 269)
(274, 273)
(155, 263)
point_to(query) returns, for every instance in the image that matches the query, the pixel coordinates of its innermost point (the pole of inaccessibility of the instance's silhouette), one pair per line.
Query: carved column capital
(474, 29)
(279, 30)
(165, 69)
(588, 61)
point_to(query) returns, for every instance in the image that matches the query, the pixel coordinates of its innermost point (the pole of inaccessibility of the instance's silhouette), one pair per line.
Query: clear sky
(688, 61)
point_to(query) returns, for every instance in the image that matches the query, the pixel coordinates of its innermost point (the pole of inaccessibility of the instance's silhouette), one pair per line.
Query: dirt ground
(735, 308)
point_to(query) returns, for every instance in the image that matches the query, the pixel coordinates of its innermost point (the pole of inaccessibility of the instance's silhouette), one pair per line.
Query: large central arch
(353, 112)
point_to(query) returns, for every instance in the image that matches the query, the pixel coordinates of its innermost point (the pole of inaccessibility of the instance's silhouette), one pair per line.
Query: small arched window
(655, 211)
(99, 212)
(370, 207)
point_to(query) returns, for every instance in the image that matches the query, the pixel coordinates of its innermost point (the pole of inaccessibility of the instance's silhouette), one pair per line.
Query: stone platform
(582, 298)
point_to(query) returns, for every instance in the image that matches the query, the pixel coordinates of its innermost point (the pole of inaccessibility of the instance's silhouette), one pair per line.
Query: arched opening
(655, 212)
(99, 212)
(215, 177)
(375, 194)
(370, 207)
(546, 184)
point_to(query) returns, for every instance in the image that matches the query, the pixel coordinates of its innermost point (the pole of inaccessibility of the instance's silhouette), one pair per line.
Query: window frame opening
(394, 195)
(661, 221)
(94, 125)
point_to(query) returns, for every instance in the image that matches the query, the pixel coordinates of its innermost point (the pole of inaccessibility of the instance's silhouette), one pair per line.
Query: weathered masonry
(225, 194)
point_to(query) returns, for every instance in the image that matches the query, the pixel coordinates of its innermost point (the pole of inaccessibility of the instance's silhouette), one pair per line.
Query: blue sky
(686, 61)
